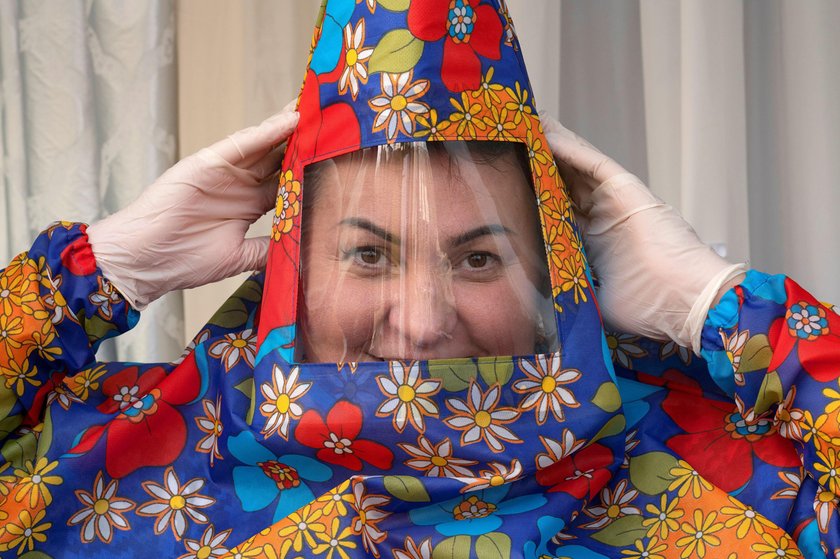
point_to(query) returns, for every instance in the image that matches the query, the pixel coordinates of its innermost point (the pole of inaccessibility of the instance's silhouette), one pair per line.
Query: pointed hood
(390, 71)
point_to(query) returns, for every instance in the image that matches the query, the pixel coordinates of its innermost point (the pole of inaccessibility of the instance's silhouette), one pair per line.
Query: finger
(579, 186)
(269, 164)
(269, 190)
(251, 144)
(253, 255)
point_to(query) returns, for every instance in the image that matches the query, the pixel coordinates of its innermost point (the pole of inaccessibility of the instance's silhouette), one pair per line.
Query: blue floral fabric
(218, 454)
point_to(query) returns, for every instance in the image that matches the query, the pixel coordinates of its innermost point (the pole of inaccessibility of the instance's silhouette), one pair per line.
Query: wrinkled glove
(657, 278)
(188, 228)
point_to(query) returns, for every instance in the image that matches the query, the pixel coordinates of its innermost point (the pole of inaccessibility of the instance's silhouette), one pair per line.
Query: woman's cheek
(496, 319)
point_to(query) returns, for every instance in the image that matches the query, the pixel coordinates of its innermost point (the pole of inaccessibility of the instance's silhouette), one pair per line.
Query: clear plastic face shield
(423, 251)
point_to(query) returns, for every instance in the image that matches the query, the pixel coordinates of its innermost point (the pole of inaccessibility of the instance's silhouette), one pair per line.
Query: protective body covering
(607, 446)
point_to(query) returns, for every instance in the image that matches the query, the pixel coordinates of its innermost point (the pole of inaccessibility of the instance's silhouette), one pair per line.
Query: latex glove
(657, 278)
(188, 228)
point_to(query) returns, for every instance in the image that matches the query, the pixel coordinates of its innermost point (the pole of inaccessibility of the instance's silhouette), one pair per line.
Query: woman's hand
(188, 228)
(657, 278)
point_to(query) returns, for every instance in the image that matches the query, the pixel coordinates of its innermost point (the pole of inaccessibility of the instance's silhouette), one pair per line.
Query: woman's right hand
(188, 228)
(657, 278)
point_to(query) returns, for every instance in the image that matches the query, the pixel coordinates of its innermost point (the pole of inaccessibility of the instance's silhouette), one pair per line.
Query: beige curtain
(238, 63)
(727, 108)
(87, 120)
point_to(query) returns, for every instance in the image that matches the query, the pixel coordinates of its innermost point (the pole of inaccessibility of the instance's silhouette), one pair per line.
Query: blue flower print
(328, 51)
(548, 526)
(474, 513)
(267, 476)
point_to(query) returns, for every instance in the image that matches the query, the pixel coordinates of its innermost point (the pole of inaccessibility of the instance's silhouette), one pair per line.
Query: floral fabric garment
(489, 457)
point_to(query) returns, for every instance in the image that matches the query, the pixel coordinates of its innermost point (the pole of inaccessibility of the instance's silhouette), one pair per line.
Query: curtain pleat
(88, 120)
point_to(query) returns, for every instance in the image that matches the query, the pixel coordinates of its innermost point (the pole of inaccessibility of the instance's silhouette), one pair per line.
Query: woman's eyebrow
(362, 223)
(494, 229)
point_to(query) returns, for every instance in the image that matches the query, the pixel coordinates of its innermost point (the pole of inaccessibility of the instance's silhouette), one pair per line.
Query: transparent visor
(423, 251)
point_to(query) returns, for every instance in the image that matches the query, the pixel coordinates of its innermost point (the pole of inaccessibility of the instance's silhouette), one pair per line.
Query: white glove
(657, 278)
(188, 228)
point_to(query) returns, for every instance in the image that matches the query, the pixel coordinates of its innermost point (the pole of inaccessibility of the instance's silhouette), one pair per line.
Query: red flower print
(148, 430)
(580, 474)
(78, 257)
(721, 437)
(811, 330)
(329, 130)
(337, 440)
(471, 29)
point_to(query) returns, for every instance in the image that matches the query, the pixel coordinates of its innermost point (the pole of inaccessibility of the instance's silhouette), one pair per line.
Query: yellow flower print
(812, 429)
(336, 540)
(653, 549)
(398, 106)
(14, 288)
(499, 125)
(665, 516)
(745, 518)
(536, 153)
(86, 380)
(554, 246)
(687, 479)
(10, 328)
(246, 550)
(432, 129)
(26, 530)
(41, 341)
(519, 104)
(489, 90)
(830, 466)
(573, 276)
(772, 548)
(699, 535)
(18, 375)
(34, 482)
(466, 117)
(303, 525)
(336, 498)
(834, 396)
(288, 204)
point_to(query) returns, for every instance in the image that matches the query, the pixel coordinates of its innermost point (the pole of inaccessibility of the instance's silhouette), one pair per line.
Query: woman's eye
(478, 260)
(366, 259)
(480, 264)
(369, 256)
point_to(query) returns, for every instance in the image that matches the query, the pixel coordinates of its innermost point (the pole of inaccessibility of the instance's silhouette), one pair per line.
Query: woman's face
(421, 255)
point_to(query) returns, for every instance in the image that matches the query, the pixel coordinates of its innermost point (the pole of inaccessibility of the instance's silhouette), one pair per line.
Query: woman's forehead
(460, 178)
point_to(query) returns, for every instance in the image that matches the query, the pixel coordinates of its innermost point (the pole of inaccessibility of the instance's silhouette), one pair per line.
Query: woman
(399, 427)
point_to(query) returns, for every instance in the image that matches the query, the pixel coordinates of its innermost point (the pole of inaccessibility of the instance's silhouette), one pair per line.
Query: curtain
(728, 109)
(87, 120)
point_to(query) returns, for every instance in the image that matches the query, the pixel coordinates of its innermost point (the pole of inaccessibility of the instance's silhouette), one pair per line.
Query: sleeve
(776, 348)
(56, 307)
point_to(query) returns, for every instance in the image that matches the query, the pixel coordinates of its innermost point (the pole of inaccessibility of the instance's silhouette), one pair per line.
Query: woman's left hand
(188, 228)
(657, 278)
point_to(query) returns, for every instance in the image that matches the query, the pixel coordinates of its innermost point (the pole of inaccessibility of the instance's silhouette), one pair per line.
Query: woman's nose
(424, 312)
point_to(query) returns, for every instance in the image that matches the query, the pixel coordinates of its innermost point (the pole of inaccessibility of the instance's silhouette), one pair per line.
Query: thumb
(253, 256)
